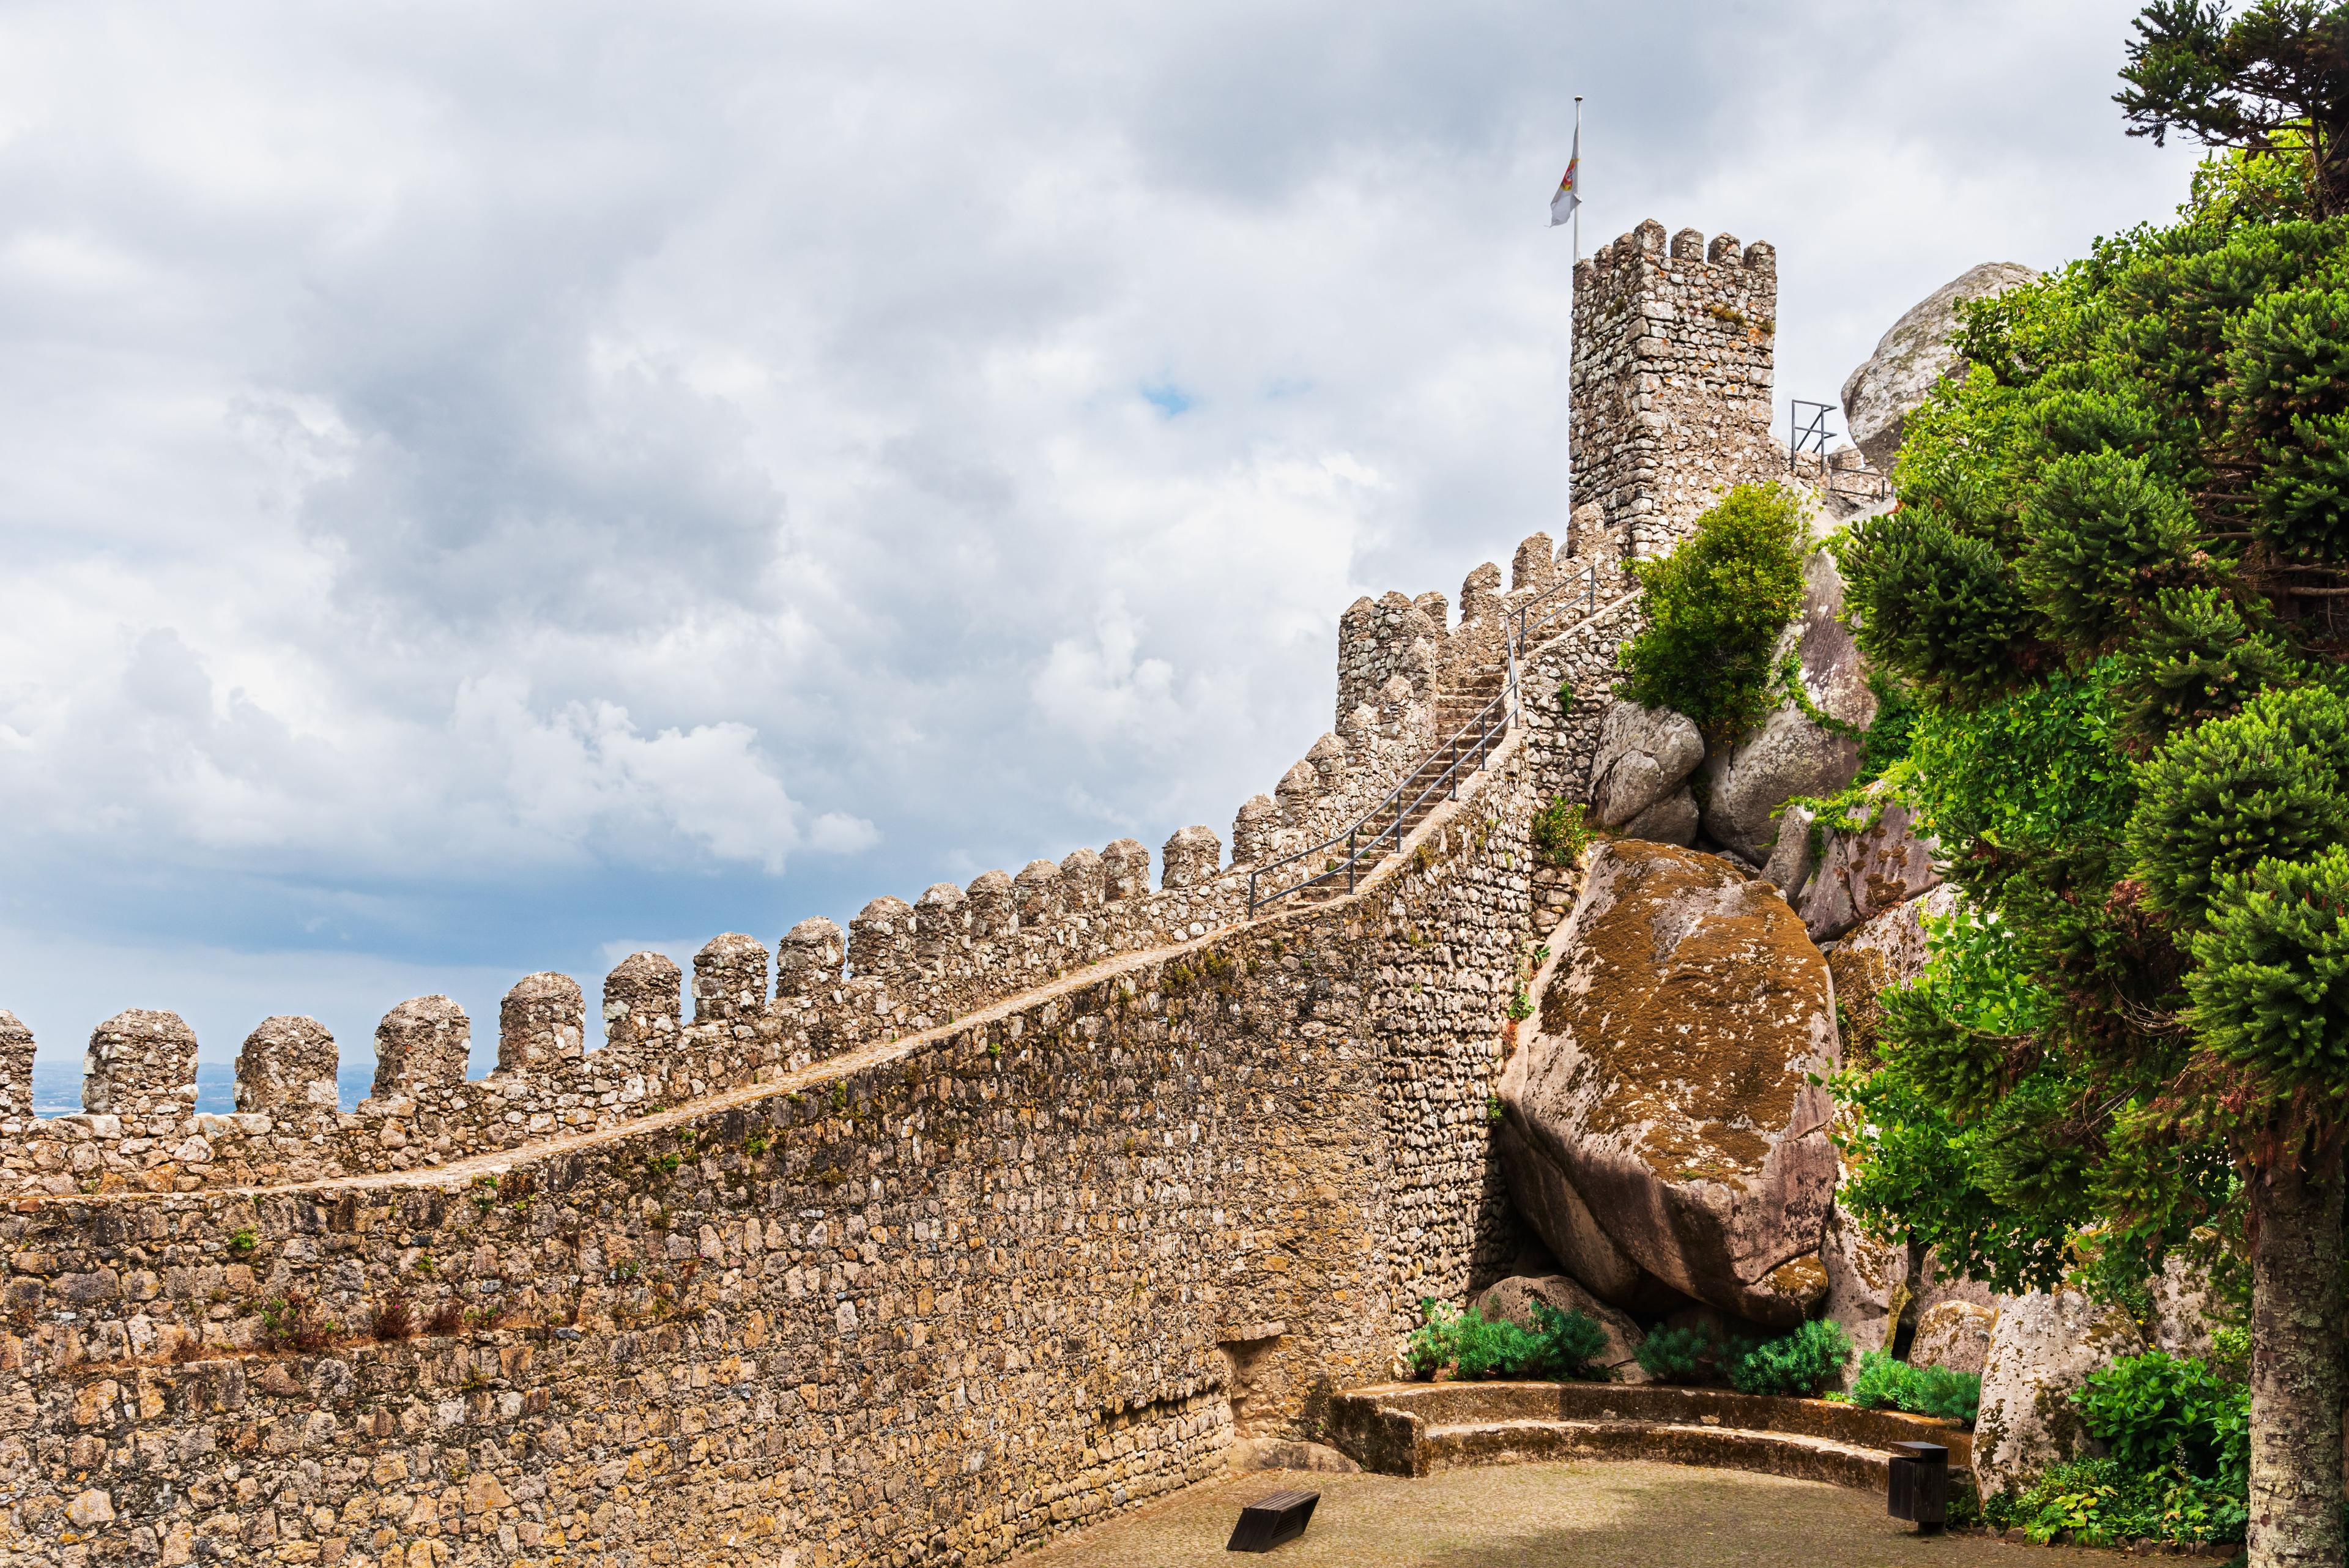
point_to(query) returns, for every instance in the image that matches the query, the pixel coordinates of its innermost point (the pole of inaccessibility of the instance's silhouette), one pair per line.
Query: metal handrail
(1492, 725)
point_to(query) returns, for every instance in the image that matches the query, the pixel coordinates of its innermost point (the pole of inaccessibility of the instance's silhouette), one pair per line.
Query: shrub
(2179, 1470)
(292, 1322)
(1884, 1384)
(1561, 833)
(2100, 1503)
(1692, 1354)
(2158, 1411)
(1715, 606)
(1801, 1362)
(1564, 1344)
(395, 1319)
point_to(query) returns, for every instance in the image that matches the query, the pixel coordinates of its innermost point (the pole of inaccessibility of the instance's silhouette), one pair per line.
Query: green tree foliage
(1714, 609)
(2275, 79)
(2271, 782)
(2118, 580)
(2271, 981)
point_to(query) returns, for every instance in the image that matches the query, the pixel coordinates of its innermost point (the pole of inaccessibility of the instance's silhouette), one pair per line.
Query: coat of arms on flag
(1570, 190)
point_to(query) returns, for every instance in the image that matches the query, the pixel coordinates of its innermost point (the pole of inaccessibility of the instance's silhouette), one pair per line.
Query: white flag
(1570, 190)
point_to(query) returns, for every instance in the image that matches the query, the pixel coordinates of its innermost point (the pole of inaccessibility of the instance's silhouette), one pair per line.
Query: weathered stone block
(287, 1064)
(421, 1045)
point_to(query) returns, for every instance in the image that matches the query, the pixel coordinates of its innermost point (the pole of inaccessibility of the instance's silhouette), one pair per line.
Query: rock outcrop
(1638, 777)
(2042, 1347)
(1911, 359)
(1747, 785)
(1868, 1285)
(1955, 1335)
(1513, 1299)
(2181, 1308)
(1865, 874)
(1885, 950)
(1660, 1131)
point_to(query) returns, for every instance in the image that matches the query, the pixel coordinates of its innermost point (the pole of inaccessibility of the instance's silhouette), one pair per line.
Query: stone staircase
(1416, 1428)
(1456, 712)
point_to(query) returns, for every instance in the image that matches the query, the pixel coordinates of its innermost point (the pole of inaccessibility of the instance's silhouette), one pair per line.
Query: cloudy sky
(487, 487)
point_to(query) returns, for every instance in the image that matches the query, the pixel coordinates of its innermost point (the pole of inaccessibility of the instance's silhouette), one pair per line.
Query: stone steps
(1414, 1428)
(1454, 712)
(1791, 1454)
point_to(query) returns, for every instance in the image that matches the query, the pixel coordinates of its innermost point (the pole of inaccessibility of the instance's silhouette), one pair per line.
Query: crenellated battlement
(1671, 377)
(1404, 675)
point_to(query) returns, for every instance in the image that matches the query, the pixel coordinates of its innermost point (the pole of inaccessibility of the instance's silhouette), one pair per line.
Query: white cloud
(474, 479)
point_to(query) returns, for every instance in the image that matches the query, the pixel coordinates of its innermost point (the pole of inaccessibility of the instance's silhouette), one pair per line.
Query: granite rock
(1865, 874)
(1953, 1333)
(2040, 1349)
(1645, 755)
(1665, 1080)
(1912, 358)
(1790, 754)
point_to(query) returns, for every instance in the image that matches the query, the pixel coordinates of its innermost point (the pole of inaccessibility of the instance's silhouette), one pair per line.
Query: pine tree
(2135, 507)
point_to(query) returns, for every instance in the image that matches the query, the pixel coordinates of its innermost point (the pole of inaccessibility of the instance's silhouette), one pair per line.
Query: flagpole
(1569, 530)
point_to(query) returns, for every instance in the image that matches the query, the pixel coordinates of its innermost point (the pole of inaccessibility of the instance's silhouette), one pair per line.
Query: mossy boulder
(1663, 1132)
(2041, 1346)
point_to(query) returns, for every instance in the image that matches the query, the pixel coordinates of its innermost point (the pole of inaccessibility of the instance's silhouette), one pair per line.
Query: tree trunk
(2296, 1323)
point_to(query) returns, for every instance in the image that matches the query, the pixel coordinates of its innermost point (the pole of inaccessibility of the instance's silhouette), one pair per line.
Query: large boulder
(2040, 1349)
(1954, 1333)
(1912, 358)
(1867, 1285)
(1661, 1131)
(1672, 820)
(1865, 874)
(1644, 756)
(1513, 1300)
(1887, 950)
(1748, 784)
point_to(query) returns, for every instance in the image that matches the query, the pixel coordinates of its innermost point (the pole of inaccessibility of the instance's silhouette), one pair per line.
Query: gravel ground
(1580, 1514)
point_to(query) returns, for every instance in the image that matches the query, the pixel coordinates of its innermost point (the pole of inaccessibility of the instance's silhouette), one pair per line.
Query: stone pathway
(1582, 1514)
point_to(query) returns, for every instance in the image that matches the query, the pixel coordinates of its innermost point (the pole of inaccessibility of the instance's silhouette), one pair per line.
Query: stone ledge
(1413, 1429)
(1788, 1454)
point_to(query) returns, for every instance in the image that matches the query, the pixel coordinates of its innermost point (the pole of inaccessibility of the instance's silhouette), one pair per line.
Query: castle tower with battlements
(1672, 378)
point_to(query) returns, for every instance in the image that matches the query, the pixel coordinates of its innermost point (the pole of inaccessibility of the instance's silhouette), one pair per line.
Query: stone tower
(1671, 384)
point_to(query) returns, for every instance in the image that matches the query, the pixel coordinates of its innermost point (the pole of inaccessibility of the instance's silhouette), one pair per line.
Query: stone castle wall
(899, 969)
(1000, 1211)
(925, 1301)
(1672, 380)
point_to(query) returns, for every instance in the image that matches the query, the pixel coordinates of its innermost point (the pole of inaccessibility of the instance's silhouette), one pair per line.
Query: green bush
(1884, 1384)
(1560, 833)
(2101, 1503)
(1561, 1344)
(2179, 1470)
(1800, 1364)
(1692, 1354)
(1715, 606)
(2159, 1411)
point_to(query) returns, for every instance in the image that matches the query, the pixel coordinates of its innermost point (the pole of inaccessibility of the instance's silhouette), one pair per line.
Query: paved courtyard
(1583, 1515)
